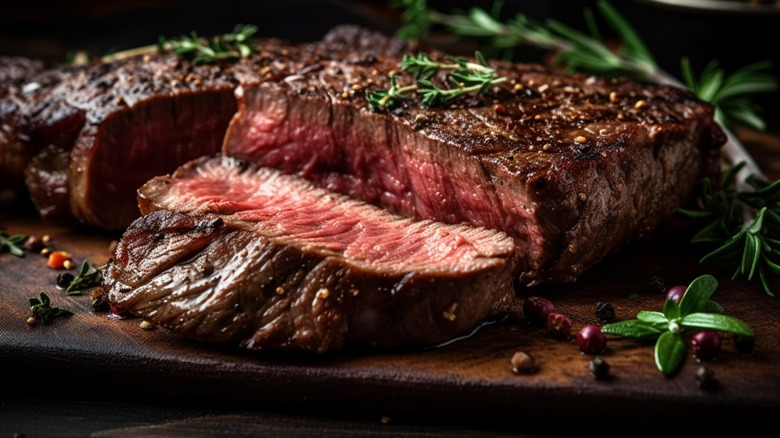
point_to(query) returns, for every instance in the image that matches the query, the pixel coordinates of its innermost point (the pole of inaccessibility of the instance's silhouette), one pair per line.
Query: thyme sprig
(579, 51)
(88, 277)
(575, 49)
(696, 310)
(230, 46)
(744, 233)
(42, 311)
(467, 77)
(744, 226)
(13, 244)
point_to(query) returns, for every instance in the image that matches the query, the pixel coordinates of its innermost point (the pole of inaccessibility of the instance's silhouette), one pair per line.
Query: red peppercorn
(591, 340)
(536, 310)
(559, 325)
(676, 293)
(706, 345)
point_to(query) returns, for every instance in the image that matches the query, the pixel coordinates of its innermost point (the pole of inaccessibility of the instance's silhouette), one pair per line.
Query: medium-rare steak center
(571, 166)
(232, 253)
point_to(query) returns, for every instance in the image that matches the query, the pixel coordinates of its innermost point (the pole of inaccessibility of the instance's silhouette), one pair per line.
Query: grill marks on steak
(233, 253)
(571, 166)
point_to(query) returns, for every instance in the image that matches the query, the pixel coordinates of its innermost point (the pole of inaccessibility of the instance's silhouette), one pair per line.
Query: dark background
(52, 31)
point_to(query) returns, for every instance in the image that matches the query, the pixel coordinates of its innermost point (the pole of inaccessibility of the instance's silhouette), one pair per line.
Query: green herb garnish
(466, 78)
(231, 46)
(41, 310)
(737, 223)
(695, 311)
(88, 277)
(12, 244)
(729, 93)
(579, 51)
(743, 225)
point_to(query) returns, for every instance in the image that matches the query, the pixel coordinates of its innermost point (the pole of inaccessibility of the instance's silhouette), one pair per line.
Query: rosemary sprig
(466, 77)
(733, 216)
(231, 46)
(729, 93)
(743, 225)
(580, 51)
(12, 244)
(694, 311)
(42, 311)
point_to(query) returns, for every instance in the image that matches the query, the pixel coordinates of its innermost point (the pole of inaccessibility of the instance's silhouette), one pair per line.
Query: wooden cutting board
(471, 376)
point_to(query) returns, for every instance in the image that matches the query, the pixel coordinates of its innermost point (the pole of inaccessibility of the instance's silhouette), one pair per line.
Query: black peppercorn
(605, 312)
(744, 344)
(706, 378)
(656, 285)
(64, 280)
(599, 368)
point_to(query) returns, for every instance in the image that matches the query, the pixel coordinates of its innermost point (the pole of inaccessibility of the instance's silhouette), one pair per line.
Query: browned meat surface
(118, 124)
(233, 253)
(571, 166)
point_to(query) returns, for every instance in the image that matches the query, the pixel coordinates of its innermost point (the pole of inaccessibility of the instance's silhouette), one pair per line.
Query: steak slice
(228, 252)
(32, 116)
(571, 166)
(103, 130)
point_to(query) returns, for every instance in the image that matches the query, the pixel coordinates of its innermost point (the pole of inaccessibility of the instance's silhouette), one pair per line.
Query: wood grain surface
(471, 376)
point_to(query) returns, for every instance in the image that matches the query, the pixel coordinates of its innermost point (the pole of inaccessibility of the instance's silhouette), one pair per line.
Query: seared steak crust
(120, 123)
(571, 166)
(232, 253)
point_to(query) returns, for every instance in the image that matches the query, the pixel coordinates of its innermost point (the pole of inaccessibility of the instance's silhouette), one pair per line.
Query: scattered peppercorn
(559, 325)
(99, 302)
(705, 376)
(744, 344)
(523, 363)
(706, 345)
(64, 280)
(536, 310)
(591, 340)
(31, 321)
(34, 244)
(599, 368)
(656, 285)
(605, 312)
(676, 293)
(67, 264)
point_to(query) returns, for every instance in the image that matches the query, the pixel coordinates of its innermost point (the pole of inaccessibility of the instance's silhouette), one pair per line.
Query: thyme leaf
(230, 46)
(13, 244)
(42, 311)
(746, 224)
(87, 277)
(580, 51)
(466, 77)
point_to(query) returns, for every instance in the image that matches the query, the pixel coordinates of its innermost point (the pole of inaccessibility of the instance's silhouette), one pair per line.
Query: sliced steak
(227, 252)
(118, 124)
(32, 116)
(571, 166)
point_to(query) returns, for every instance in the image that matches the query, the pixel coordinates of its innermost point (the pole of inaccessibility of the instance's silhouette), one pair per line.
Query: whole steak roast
(233, 253)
